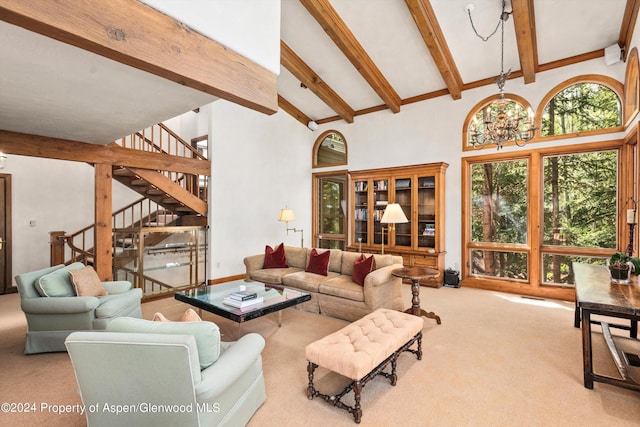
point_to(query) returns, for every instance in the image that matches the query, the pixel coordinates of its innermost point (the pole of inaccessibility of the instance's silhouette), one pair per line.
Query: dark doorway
(5, 234)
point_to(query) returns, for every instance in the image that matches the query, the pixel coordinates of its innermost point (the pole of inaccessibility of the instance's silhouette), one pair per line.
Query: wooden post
(57, 248)
(103, 236)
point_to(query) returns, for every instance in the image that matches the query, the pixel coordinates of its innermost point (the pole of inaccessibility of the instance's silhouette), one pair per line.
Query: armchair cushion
(206, 334)
(57, 283)
(117, 286)
(117, 304)
(87, 283)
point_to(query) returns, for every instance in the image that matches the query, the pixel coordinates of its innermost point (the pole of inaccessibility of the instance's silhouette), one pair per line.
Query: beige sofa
(334, 295)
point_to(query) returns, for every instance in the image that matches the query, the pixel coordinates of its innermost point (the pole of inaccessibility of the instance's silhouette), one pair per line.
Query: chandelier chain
(500, 123)
(484, 39)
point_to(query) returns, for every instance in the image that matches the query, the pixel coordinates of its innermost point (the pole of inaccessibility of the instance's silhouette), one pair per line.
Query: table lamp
(393, 214)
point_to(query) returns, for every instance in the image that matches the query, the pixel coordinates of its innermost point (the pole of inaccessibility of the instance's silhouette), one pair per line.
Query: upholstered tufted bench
(362, 350)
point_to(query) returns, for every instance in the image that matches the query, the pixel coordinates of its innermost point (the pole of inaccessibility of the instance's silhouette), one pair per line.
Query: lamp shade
(286, 215)
(393, 214)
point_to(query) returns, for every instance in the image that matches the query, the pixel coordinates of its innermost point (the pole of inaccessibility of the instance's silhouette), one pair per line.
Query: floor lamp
(287, 215)
(393, 214)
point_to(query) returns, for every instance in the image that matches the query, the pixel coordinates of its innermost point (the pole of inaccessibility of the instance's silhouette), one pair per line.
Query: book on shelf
(243, 304)
(243, 295)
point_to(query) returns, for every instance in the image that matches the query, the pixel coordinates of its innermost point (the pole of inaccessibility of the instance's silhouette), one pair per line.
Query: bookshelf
(419, 190)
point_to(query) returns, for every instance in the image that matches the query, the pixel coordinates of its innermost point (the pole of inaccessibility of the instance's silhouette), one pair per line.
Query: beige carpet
(496, 360)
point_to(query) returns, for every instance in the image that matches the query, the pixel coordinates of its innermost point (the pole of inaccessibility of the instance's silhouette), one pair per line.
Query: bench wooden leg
(357, 410)
(311, 391)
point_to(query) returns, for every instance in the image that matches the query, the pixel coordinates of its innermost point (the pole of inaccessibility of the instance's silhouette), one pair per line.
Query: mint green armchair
(155, 377)
(50, 319)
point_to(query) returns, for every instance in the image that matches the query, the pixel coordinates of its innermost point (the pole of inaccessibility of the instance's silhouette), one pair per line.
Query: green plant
(620, 259)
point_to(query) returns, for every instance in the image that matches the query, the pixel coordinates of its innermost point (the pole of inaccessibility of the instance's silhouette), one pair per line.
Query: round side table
(415, 274)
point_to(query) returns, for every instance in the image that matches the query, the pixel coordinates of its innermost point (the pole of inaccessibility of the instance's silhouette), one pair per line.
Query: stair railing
(141, 213)
(160, 139)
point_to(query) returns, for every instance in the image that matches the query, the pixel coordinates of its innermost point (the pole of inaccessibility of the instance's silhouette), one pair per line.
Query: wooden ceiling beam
(628, 25)
(132, 33)
(293, 111)
(429, 27)
(313, 82)
(334, 26)
(63, 149)
(525, 26)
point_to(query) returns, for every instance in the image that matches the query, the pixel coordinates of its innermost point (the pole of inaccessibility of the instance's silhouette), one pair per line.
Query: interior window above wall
(330, 149)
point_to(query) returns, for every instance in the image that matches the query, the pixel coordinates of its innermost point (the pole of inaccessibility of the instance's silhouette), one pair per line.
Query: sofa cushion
(58, 282)
(305, 281)
(385, 260)
(342, 286)
(207, 334)
(86, 283)
(275, 258)
(272, 275)
(361, 267)
(335, 261)
(318, 262)
(296, 257)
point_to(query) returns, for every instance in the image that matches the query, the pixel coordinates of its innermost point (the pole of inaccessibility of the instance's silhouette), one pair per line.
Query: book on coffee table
(243, 295)
(242, 304)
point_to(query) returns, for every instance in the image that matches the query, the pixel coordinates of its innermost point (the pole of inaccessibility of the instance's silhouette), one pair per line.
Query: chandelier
(502, 120)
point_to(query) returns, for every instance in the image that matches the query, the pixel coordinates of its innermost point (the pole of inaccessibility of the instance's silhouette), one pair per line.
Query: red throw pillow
(275, 258)
(361, 267)
(318, 263)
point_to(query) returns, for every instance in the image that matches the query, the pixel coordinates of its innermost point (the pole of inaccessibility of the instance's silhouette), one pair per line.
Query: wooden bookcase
(420, 191)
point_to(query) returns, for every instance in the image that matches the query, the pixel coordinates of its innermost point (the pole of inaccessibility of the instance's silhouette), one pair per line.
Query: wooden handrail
(176, 146)
(135, 214)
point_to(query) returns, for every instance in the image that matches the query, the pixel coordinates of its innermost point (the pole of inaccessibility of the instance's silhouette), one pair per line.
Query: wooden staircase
(169, 198)
(162, 190)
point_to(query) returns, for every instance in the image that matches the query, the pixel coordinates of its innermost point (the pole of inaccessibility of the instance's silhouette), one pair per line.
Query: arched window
(582, 104)
(513, 109)
(330, 149)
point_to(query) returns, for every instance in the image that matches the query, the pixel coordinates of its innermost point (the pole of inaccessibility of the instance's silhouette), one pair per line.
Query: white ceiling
(53, 89)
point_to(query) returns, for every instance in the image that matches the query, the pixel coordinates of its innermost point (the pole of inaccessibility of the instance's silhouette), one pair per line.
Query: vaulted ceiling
(343, 58)
(339, 59)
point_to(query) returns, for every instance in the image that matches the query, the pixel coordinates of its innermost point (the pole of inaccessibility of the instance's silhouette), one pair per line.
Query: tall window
(330, 207)
(530, 217)
(499, 217)
(580, 193)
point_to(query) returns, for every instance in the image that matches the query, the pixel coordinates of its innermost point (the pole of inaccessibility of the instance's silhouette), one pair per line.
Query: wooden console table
(415, 274)
(595, 294)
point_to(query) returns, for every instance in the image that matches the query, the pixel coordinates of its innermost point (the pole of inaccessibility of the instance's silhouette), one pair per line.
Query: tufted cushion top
(356, 349)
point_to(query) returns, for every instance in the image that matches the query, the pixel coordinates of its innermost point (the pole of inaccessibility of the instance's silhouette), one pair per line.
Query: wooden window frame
(480, 105)
(315, 208)
(606, 81)
(318, 143)
(534, 246)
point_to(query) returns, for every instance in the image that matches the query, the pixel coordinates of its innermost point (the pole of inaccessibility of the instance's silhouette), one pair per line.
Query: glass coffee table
(275, 299)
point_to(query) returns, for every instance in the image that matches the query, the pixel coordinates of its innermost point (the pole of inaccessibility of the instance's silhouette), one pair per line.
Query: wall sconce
(393, 214)
(3, 160)
(287, 215)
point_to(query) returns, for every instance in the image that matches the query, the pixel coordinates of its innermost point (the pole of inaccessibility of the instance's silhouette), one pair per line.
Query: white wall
(55, 195)
(431, 131)
(259, 164)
